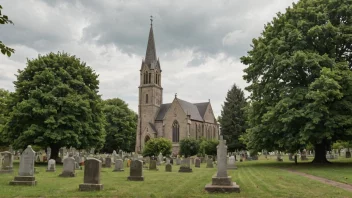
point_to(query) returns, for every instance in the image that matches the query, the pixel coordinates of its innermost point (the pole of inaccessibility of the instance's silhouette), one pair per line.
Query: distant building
(174, 121)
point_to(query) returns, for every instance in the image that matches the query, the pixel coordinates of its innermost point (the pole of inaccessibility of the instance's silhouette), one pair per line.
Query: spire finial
(175, 95)
(151, 20)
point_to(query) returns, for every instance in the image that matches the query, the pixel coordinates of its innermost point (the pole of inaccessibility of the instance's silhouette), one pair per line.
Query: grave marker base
(135, 178)
(90, 187)
(185, 170)
(24, 181)
(222, 184)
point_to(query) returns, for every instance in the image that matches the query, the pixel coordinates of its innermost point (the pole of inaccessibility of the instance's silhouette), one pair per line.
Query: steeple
(150, 55)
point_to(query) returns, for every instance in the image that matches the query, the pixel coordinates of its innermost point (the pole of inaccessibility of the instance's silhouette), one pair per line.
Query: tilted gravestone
(197, 163)
(51, 166)
(68, 167)
(26, 170)
(136, 171)
(231, 163)
(152, 165)
(168, 168)
(108, 162)
(6, 160)
(92, 169)
(221, 182)
(185, 166)
(210, 163)
(118, 165)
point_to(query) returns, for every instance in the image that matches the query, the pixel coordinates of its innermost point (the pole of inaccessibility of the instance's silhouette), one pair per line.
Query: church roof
(162, 111)
(190, 109)
(150, 55)
(196, 110)
(202, 107)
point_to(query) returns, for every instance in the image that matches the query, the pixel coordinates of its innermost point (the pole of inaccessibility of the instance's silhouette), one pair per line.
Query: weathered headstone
(160, 159)
(197, 162)
(210, 163)
(221, 182)
(178, 161)
(231, 164)
(92, 169)
(6, 160)
(108, 162)
(152, 165)
(118, 165)
(51, 166)
(136, 171)
(185, 166)
(168, 168)
(68, 167)
(26, 170)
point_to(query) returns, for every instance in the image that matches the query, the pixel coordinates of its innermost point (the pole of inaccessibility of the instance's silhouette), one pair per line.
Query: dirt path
(344, 186)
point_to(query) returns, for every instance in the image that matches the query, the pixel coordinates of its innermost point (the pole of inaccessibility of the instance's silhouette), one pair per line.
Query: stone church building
(174, 121)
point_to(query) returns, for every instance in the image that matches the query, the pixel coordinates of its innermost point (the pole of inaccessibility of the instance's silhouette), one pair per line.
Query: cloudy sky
(199, 42)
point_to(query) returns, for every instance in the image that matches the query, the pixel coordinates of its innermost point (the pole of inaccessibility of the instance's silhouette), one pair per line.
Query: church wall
(159, 128)
(175, 113)
(209, 115)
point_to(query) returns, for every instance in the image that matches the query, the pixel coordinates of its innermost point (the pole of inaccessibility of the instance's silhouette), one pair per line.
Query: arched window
(146, 139)
(196, 132)
(214, 135)
(150, 78)
(146, 98)
(145, 77)
(175, 132)
(209, 133)
(156, 78)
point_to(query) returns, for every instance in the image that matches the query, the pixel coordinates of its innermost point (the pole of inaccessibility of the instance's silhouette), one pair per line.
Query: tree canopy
(4, 19)
(155, 146)
(120, 127)
(189, 147)
(233, 119)
(56, 104)
(300, 78)
(4, 112)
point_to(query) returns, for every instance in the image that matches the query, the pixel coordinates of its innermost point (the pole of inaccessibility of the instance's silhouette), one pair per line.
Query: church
(176, 120)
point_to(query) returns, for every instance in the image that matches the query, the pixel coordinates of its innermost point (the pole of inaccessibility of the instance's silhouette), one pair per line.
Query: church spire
(150, 55)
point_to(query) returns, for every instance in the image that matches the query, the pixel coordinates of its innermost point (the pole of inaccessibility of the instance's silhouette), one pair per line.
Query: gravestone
(108, 162)
(51, 166)
(92, 169)
(26, 170)
(197, 162)
(77, 161)
(178, 161)
(210, 163)
(152, 165)
(221, 182)
(231, 163)
(68, 167)
(136, 171)
(185, 166)
(171, 161)
(168, 168)
(6, 160)
(160, 159)
(118, 165)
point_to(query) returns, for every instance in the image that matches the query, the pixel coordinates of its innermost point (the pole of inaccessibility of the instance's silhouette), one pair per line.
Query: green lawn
(263, 178)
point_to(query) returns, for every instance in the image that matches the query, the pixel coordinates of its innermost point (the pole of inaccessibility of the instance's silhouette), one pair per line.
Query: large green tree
(3, 48)
(56, 104)
(121, 126)
(4, 112)
(155, 146)
(299, 71)
(189, 147)
(233, 119)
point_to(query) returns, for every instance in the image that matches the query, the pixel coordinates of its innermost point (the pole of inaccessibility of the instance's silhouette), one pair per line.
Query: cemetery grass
(262, 178)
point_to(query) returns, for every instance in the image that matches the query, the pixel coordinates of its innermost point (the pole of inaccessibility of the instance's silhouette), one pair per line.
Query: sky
(199, 42)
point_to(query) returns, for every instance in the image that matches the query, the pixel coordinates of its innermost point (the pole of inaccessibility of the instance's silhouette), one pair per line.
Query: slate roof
(196, 110)
(162, 111)
(202, 107)
(153, 127)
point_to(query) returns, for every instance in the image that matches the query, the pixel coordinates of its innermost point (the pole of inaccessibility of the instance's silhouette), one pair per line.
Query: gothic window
(150, 78)
(146, 77)
(196, 132)
(146, 98)
(209, 133)
(157, 78)
(214, 135)
(175, 132)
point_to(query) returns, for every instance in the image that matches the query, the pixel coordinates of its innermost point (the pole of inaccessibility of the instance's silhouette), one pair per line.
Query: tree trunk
(320, 154)
(296, 159)
(54, 152)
